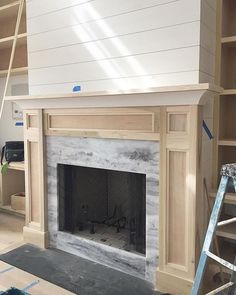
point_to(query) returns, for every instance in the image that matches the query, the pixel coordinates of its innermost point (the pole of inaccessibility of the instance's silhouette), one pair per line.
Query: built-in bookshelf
(8, 17)
(226, 103)
(226, 113)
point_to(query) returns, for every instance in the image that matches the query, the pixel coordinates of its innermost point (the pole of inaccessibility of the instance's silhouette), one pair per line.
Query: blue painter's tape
(19, 124)
(77, 88)
(31, 285)
(207, 130)
(6, 270)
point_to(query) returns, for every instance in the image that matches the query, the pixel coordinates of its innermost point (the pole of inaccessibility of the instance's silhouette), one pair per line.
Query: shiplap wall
(208, 41)
(117, 44)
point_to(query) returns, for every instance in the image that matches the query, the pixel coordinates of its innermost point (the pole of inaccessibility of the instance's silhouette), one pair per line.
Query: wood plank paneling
(36, 8)
(103, 17)
(208, 41)
(104, 44)
(39, 8)
(153, 63)
(144, 82)
(168, 38)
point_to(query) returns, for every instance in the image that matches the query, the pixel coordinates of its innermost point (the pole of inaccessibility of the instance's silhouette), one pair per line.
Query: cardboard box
(18, 201)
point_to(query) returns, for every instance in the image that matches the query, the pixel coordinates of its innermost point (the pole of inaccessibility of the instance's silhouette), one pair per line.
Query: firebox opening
(104, 206)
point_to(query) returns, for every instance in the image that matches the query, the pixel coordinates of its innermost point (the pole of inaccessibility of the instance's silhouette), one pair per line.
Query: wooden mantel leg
(180, 137)
(35, 230)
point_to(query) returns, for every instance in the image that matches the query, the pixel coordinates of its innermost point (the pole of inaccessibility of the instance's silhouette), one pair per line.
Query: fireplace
(102, 205)
(103, 201)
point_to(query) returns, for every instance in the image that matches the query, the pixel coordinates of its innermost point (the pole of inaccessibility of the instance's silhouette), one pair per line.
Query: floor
(12, 276)
(30, 265)
(11, 236)
(74, 273)
(11, 228)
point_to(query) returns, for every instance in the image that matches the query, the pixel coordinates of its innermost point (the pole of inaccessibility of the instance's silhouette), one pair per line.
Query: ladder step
(222, 288)
(221, 261)
(225, 222)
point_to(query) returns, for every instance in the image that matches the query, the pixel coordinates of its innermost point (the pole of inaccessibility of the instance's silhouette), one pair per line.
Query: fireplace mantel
(171, 116)
(157, 96)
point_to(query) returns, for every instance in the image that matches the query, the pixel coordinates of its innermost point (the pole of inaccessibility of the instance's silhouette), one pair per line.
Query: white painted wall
(110, 44)
(8, 130)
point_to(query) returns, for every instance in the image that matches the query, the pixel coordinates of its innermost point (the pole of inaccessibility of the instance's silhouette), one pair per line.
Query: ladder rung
(225, 222)
(221, 261)
(216, 291)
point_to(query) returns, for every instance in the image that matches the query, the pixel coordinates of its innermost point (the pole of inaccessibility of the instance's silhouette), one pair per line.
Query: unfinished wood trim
(43, 173)
(172, 284)
(178, 201)
(129, 123)
(217, 98)
(32, 121)
(176, 219)
(107, 134)
(36, 208)
(35, 236)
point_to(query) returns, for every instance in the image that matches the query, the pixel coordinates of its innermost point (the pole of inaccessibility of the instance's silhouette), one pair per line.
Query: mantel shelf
(196, 94)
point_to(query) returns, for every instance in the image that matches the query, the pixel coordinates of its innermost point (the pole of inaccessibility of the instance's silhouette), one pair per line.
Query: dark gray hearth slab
(75, 274)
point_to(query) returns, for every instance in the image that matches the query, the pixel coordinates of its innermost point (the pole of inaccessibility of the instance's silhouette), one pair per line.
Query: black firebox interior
(102, 205)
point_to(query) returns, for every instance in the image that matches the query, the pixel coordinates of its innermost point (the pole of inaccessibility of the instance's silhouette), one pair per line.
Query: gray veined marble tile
(122, 155)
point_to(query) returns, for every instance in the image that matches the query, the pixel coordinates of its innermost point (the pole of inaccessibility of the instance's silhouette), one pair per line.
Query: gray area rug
(75, 274)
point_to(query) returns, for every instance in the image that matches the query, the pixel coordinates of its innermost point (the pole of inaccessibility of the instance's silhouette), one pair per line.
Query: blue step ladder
(228, 172)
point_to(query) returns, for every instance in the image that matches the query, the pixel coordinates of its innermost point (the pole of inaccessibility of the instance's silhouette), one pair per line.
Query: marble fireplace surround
(122, 155)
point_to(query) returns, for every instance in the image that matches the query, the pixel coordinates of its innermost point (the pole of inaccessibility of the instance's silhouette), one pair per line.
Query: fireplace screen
(104, 206)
